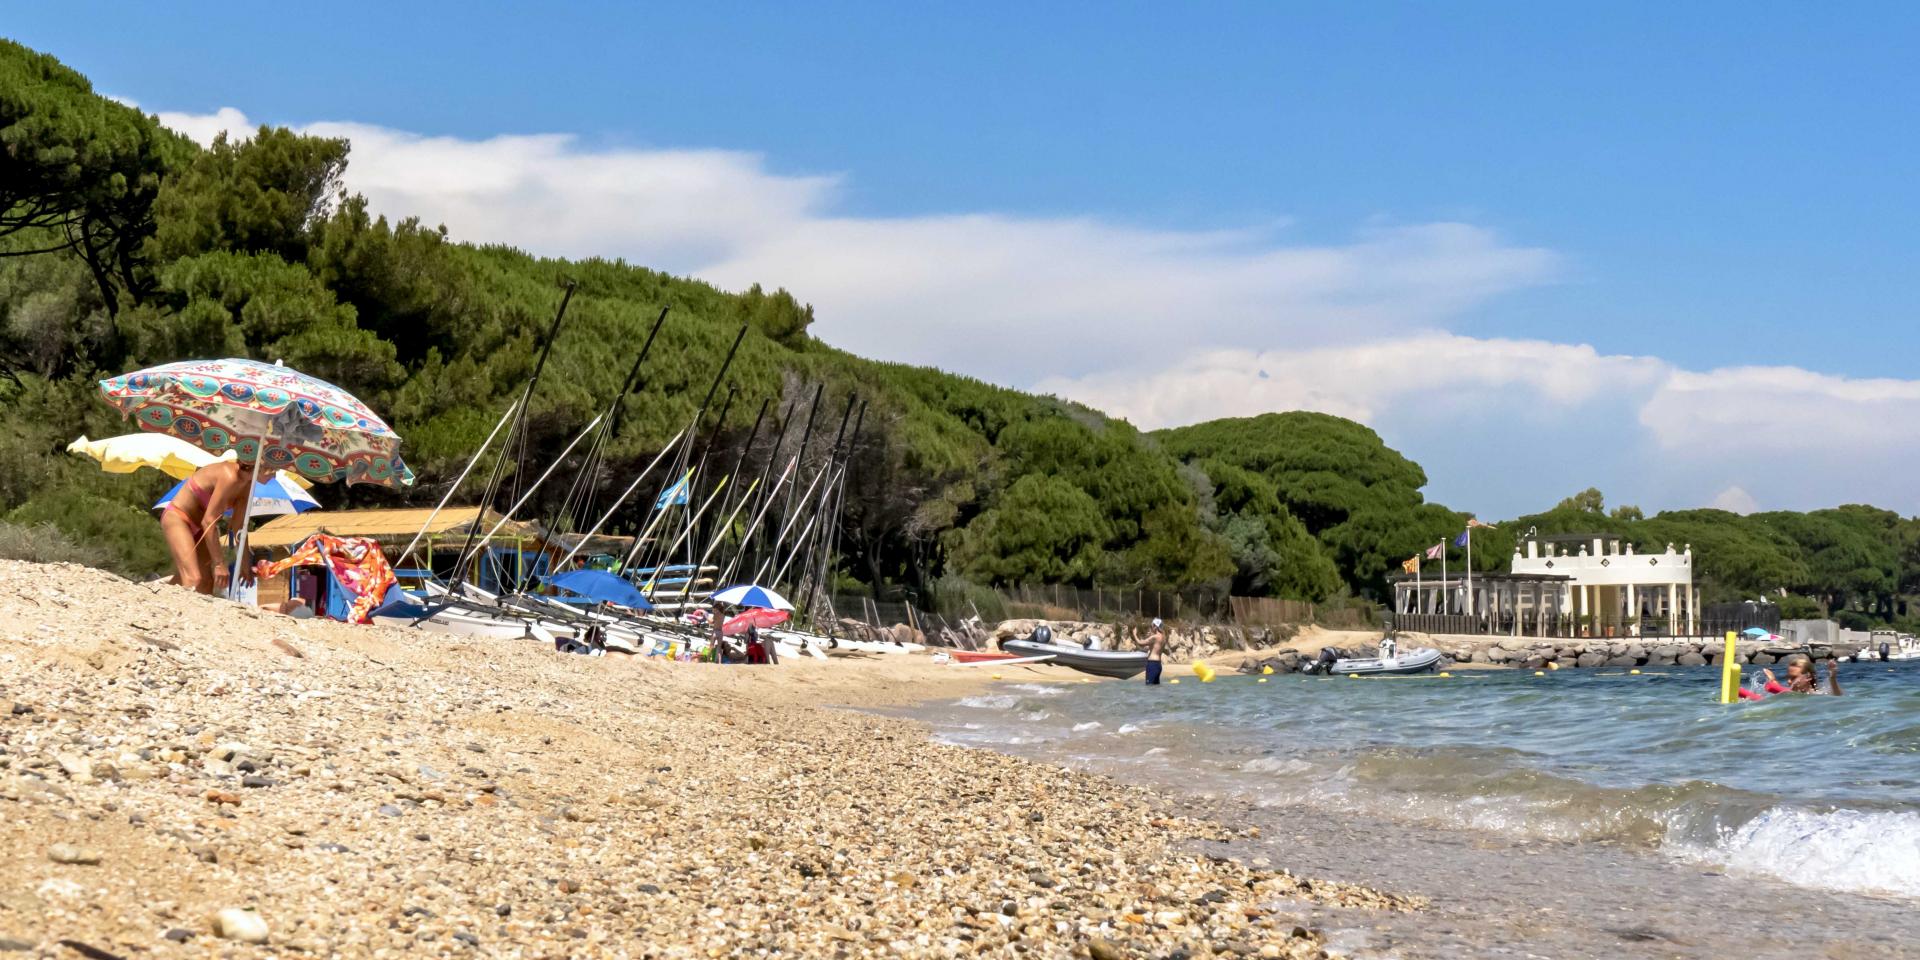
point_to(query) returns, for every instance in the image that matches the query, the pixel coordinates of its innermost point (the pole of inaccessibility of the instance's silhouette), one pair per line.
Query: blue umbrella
(603, 586)
(275, 494)
(1758, 632)
(748, 595)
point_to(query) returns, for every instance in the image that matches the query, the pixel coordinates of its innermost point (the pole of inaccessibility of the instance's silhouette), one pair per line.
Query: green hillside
(123, 245)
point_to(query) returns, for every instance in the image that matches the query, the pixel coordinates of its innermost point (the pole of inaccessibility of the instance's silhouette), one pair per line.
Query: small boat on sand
(1119, 664)
(979, 656)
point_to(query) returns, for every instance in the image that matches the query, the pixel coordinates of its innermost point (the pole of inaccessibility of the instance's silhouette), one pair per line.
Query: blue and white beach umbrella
(276, 494)
(748, 595)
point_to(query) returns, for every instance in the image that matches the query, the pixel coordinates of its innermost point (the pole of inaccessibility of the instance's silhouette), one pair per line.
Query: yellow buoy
(1263, 679)
(1204, 672)
(996, 676)
(1267, 669)
(1553, 665)
(1634, 672)
(1446, 674)
(1539, 673)
(1729, 671)
(1174, 680)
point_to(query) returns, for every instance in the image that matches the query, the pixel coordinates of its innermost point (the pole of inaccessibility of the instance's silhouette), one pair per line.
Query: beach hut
(517, 551)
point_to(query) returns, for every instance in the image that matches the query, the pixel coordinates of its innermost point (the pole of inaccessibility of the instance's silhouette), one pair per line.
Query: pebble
(69, 853)
(852, 871)
(245, 926)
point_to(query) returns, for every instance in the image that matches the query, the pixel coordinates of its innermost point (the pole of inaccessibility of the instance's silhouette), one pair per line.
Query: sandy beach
(180, 776)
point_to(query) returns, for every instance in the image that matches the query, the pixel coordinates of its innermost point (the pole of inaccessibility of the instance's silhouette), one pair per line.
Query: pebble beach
(181, 776)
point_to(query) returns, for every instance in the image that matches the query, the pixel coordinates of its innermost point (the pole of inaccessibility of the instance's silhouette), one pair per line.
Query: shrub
(45, 543)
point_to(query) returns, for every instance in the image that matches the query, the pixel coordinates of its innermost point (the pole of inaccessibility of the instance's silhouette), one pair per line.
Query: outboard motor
(1885, 651)
(1323, 664)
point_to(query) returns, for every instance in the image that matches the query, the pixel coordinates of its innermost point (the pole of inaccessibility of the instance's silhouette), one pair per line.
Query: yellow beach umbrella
(170, 455)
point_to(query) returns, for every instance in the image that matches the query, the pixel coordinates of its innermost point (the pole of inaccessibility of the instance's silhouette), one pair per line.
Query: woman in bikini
(190, 523)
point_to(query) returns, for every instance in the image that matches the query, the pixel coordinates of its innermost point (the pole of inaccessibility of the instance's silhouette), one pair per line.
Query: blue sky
(1706, 187)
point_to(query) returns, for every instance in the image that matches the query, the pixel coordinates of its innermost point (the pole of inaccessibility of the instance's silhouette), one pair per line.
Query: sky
(1668, 250)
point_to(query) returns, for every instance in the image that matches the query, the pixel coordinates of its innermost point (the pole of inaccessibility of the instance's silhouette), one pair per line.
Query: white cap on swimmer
(1156, 623)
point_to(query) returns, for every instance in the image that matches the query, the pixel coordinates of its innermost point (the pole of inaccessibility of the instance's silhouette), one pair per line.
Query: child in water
(1800, 679)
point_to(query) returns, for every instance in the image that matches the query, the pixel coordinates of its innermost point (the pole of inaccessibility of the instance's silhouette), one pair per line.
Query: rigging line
(617, 502)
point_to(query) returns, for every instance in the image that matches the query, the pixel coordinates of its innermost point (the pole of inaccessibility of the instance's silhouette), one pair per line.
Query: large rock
(1622, 660)
(1761, 659)
(1691, 659)
(1590, 659)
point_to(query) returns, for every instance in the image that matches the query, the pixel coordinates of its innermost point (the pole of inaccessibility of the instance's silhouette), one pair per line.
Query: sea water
(1818, 792)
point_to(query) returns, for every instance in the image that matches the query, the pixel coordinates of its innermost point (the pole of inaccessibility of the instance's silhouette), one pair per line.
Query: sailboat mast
(519, 427)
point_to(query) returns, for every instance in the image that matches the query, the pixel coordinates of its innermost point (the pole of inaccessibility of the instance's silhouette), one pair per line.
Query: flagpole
(1471, 611)
(1446, 585)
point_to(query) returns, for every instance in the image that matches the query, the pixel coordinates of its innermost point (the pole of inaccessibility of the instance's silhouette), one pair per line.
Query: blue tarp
(601, 585)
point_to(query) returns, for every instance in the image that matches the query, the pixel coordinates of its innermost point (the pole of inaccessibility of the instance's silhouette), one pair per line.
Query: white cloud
(203, 127)
(1011, 299)
(1734, 500)
(1784, 410)
(1361, 381)
(1171, 326)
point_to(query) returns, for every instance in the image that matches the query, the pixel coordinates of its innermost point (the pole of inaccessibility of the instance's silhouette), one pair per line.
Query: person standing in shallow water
(1156, 642)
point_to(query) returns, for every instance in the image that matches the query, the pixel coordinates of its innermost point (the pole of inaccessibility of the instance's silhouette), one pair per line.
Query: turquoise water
(1820, 792)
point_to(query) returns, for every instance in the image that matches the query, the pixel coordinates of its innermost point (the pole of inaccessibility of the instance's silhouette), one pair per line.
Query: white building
(1560, 586)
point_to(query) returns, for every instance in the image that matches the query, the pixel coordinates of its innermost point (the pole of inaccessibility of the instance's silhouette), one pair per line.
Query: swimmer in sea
(1801, 678)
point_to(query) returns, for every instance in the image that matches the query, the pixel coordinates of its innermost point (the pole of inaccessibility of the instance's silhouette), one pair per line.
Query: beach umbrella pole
(240, 530)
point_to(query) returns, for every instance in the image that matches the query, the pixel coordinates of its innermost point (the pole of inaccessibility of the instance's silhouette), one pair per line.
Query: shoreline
(370, 792)
(1499, 885)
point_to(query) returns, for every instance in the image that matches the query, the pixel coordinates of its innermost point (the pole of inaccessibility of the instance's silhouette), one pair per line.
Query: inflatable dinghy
(1118, 664)
(1417, 660)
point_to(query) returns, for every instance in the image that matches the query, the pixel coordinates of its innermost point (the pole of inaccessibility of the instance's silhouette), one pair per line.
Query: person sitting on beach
(759, 649)
(190, 522)
(1801, 678)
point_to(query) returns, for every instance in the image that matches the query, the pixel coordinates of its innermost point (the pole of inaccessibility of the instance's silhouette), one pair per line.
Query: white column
(1673, 608)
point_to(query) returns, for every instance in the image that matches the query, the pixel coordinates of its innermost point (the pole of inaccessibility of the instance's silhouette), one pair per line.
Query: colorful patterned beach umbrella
(308, 426)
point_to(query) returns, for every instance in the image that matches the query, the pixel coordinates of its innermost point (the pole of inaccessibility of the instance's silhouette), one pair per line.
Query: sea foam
(1853, 850)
